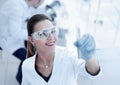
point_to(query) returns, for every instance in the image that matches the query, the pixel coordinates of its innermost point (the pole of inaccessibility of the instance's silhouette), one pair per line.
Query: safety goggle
(44, 33)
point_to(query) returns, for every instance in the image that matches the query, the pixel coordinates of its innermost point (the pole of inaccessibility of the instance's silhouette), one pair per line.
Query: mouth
(50, 43)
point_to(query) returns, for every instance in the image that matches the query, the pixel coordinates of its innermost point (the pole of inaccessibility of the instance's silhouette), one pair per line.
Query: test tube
(78, 38)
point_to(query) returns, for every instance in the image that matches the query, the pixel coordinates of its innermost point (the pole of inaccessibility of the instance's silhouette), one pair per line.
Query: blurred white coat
(13, 20)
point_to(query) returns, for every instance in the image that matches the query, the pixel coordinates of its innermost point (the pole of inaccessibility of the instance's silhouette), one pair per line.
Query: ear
(30, 40)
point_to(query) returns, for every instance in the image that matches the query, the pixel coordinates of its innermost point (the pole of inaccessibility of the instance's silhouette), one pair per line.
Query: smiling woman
(40, 29)
(52, 65)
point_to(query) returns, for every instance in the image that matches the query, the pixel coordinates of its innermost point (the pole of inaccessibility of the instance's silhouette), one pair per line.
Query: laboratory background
(74, 18)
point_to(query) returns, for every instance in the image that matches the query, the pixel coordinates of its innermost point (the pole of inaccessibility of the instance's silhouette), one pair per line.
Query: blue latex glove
(86, 45)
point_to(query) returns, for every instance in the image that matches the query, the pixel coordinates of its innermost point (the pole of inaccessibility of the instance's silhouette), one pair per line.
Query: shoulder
(13, 7)
(59, 48)
(65, 53)
(28, 63)
(12, 3)
(60, 51)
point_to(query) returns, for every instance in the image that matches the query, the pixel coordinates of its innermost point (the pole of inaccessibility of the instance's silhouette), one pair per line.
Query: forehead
(43, 24)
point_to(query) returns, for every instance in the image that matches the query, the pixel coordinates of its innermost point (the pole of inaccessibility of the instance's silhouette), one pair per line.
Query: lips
(50, 43)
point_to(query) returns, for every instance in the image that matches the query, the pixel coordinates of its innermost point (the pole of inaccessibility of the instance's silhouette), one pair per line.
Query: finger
(83, 40)
(91, 45)
(86, 42)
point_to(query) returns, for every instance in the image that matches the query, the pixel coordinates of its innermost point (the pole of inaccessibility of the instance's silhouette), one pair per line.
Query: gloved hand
(86, 45)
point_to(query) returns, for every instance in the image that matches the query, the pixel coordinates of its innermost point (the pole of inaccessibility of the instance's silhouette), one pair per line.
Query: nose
(50, 37)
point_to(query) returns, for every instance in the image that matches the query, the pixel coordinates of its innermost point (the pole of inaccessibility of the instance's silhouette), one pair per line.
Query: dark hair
(33, 21)
(30, 28)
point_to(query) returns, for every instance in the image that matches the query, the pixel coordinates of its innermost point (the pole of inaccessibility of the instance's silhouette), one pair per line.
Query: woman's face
(44, 36)
(35, 3)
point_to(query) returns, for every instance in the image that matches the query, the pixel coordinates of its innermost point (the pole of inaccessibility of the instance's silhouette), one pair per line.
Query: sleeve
(79, 68)
(15, 24)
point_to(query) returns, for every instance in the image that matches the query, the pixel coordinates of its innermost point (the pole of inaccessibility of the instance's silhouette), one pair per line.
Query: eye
(39, 34)
(45, 34)
(53, 31)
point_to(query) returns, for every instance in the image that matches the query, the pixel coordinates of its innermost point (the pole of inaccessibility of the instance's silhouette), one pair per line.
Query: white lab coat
(66, 69)
(13, 31)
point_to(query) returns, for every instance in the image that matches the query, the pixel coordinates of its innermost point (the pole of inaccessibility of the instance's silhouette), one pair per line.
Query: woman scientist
(13, 32)
(48, 64)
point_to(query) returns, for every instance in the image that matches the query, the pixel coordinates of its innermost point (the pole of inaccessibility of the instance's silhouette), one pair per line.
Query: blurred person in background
(14, 15)
(48, 64)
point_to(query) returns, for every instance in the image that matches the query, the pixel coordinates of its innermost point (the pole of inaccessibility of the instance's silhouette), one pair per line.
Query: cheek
(56, 38)
(39, 44)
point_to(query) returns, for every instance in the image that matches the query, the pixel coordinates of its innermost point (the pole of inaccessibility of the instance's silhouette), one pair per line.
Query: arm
(87, 46)
(15, 24)
(15, 28)
(92, 66)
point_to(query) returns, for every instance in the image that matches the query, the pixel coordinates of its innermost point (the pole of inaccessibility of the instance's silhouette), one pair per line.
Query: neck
(45, 59)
